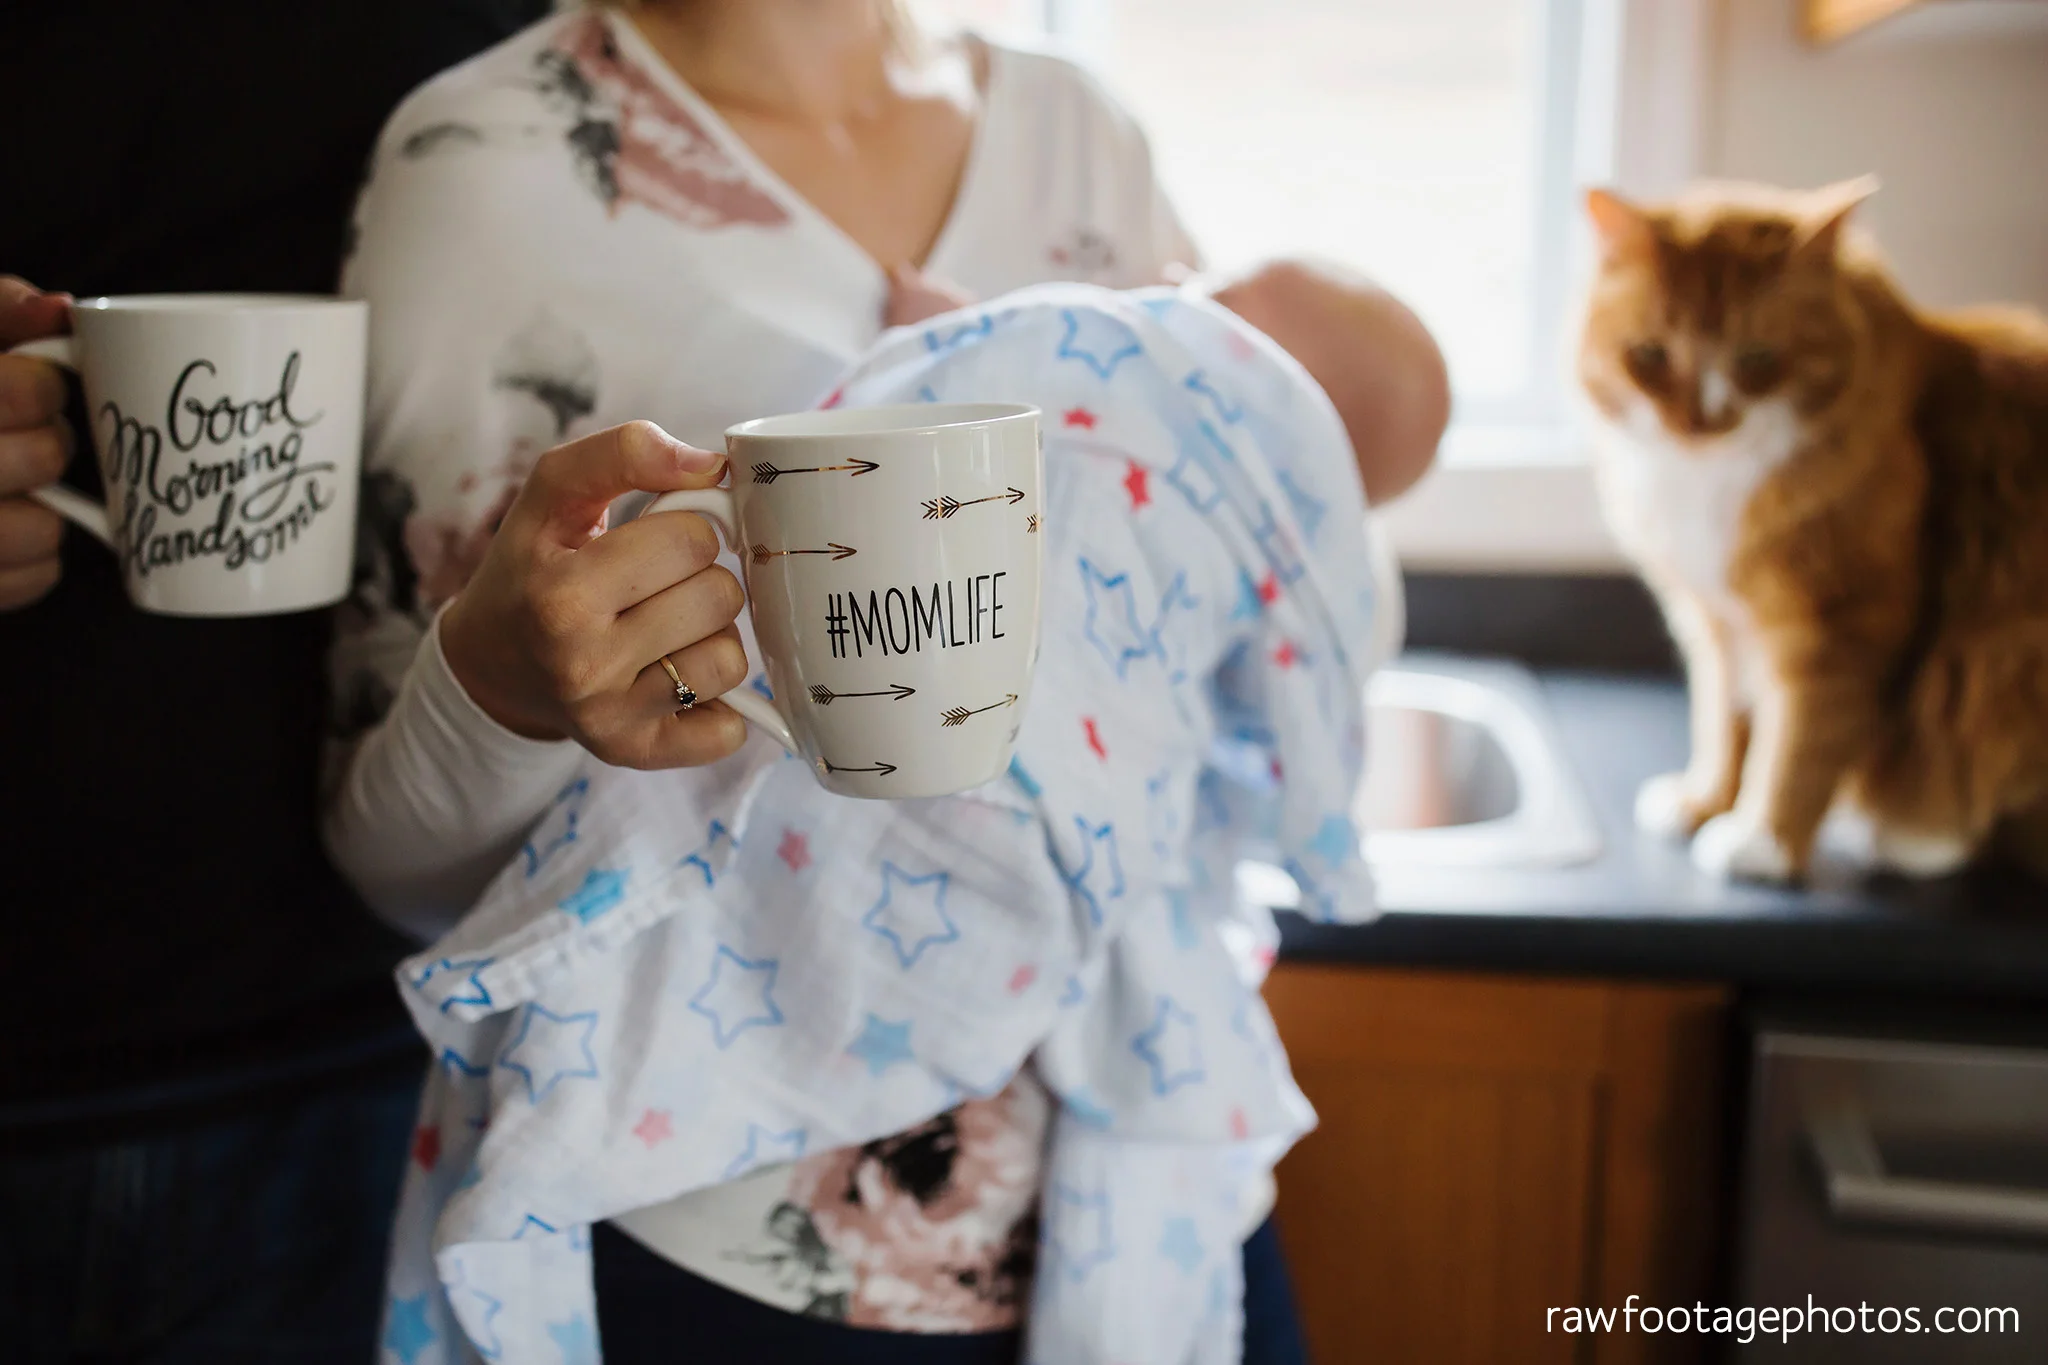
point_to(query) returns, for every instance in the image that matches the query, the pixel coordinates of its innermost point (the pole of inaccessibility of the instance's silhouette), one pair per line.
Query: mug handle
(716, 506)
(75, 507)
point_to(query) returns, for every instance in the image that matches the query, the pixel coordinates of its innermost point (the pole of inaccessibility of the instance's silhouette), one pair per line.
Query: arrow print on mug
(941, 507)
(768, 473)
(826, 765)
(762, 554)
(825, 696)
(958, 715)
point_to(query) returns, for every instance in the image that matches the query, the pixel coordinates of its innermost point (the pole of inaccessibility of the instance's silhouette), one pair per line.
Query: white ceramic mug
(229, 431)
(892, 559)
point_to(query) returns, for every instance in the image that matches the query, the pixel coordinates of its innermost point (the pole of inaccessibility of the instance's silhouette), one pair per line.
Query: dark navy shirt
(169, 927)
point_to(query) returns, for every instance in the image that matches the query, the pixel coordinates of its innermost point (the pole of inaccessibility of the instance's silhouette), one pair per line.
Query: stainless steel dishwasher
(1898, 1173)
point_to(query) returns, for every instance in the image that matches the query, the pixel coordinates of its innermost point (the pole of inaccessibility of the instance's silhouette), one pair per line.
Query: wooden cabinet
(1492, 1147)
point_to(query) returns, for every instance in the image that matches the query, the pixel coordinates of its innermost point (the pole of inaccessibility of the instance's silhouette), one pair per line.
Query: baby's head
(1373, 357)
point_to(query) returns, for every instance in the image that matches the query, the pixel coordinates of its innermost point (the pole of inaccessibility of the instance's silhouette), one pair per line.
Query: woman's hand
(562, 629)
(35, 442)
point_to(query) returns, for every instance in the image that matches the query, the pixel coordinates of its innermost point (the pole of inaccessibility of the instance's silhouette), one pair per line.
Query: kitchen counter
(1641, 910)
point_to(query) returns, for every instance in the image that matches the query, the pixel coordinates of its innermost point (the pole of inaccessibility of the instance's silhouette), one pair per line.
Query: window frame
(1620, 101)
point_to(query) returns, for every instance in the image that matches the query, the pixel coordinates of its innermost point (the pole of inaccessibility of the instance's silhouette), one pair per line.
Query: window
(1437, 146)
(1394, 136)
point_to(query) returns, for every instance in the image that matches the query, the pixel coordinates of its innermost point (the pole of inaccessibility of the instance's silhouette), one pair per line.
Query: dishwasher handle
(1859, 1189)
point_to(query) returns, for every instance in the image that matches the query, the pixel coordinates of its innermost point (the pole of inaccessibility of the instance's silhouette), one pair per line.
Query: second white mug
(229, 434)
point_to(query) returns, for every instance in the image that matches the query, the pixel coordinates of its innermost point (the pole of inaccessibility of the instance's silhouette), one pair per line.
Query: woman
(696, 213)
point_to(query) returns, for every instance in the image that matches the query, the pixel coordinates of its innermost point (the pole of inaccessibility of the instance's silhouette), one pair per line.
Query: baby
(653, 999)
(1373, 357)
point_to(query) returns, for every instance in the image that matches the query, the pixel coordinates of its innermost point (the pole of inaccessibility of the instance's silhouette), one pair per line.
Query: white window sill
(1505, 499)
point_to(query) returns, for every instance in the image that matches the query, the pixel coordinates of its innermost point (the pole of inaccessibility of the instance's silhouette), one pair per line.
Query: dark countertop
(1641, 910)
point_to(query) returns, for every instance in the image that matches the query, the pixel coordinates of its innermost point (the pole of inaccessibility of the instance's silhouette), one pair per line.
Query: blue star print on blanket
(911, 914)
(550, 1048)
(737, 996)
(684, 977)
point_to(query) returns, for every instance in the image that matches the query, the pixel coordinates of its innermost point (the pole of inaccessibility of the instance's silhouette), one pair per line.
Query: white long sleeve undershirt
(437, 798)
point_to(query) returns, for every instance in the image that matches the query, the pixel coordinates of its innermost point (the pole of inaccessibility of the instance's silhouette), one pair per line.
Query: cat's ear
(1621, 228)
(1830, 206)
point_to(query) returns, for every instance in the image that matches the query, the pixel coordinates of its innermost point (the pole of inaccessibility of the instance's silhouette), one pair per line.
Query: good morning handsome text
(243, 491)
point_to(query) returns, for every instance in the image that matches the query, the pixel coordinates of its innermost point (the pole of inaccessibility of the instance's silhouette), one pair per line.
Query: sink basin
(1462, 770)
(1434, 763)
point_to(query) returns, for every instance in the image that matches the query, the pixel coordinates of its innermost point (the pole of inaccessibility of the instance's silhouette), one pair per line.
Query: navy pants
(646, 1306)
(240, 1240)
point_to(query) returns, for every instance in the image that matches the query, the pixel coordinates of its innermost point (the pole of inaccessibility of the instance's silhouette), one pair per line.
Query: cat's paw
(1912, 854)
(1848, 836)
(1852, 836)
(1664, 809)
(1737, 845)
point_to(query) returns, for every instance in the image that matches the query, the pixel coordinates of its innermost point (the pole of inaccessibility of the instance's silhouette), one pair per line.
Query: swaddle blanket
(688, 975)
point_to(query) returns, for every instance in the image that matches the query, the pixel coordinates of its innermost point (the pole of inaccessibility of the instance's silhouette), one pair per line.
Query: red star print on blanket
(794, 850)
(1080, 417)
(1137, 485)
(426, 1147)
(1095, 738)
(654, 1127)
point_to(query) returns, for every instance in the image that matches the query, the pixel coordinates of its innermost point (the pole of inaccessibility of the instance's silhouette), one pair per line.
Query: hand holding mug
(35, 444)
(893, 560)
(228, 430)
(562, 630)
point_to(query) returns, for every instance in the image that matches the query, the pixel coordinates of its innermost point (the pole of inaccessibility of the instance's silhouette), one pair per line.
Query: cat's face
(1717, 311)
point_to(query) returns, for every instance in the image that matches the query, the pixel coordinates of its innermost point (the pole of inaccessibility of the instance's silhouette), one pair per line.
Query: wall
(1946, 104)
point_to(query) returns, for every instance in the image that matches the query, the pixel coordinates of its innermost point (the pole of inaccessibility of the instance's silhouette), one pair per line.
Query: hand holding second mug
(35, 443)
(561, 631)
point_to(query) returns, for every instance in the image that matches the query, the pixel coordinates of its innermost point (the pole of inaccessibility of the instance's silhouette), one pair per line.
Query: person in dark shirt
(206, 1081)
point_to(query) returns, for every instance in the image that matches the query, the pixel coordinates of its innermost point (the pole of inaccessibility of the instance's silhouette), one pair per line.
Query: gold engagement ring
(686, 696)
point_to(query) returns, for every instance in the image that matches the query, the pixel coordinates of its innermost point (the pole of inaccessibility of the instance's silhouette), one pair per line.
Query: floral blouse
(560, 235)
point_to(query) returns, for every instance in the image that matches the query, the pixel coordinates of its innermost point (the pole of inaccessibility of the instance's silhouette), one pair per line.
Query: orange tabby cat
(1841, 503)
